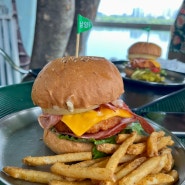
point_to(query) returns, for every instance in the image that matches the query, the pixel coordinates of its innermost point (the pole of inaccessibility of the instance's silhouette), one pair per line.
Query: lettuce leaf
(136, 126)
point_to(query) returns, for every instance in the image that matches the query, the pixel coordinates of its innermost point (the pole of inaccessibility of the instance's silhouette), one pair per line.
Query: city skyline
(116, 7)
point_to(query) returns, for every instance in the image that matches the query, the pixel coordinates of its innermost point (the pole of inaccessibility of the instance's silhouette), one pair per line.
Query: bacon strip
(106, 133)
(145, 125)
(47, 121)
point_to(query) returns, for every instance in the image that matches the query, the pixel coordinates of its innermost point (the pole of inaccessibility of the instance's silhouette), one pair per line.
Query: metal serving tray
(21, 135)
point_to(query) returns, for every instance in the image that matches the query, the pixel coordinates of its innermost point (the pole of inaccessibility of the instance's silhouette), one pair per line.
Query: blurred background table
(138, 96)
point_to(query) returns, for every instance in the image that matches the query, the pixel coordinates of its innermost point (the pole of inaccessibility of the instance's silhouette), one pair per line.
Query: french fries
(107, 148)
(93, 162)
(164, 141)
(95, 173)
(129, 167)
(46, 160)
(170, 161)
(152, 148)
(139, 138)
(31, 175)
(143, 170)
(133, 160)
(136, 149)
(157, 178)
(56, 182)
(116, 156)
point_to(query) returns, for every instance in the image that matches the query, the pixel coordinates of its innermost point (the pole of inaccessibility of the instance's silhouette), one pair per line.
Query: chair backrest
(9, 43)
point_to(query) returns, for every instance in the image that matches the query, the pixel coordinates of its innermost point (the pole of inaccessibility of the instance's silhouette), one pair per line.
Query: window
(120, 23)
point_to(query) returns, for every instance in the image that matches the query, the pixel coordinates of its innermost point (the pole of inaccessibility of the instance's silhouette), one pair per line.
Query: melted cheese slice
(155, 63)
(80, 123)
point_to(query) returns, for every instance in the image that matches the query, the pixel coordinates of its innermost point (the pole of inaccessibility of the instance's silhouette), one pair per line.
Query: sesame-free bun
(60, 146)
(71, 85)
(144, 50)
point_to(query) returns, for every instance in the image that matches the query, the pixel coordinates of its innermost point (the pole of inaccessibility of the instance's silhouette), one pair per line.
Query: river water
(113, 43)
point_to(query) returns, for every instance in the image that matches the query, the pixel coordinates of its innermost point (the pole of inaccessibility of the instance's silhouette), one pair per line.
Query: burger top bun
(144, 50)
(76, 84)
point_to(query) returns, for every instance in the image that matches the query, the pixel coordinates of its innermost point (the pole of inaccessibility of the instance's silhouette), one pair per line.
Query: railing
(9, 44)
(159, 27)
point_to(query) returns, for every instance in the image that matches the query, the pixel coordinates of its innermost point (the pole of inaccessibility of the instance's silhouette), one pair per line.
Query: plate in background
(172, 78)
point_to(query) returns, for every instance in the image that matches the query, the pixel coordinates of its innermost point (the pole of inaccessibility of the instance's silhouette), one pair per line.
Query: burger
(81, 105)
(143, 63)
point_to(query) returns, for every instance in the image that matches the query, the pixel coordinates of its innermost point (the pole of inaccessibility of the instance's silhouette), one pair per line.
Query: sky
(155, 7)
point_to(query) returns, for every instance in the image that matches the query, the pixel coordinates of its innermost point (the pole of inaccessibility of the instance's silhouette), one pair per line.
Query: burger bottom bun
(145, 56)
(60, 146)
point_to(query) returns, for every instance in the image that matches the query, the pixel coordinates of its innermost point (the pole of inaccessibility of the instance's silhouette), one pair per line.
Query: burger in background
(143, 63)
(79, 98)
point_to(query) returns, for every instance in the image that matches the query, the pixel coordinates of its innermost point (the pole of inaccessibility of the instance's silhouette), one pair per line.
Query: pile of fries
(133, 160)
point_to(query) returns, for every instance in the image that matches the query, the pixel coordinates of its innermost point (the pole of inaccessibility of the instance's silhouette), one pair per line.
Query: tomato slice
(155, 70)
